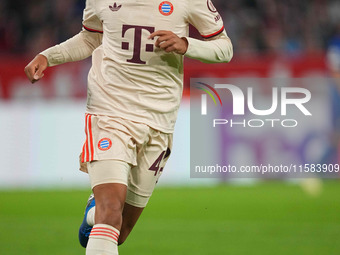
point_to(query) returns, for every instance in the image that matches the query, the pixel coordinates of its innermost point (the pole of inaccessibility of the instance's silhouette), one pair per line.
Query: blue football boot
(85, 229)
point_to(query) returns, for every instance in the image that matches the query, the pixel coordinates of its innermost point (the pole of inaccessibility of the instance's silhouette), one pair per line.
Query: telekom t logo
(137, 45)
(239, 100)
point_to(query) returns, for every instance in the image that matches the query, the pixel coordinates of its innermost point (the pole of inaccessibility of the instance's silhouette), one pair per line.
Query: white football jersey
(131, 78)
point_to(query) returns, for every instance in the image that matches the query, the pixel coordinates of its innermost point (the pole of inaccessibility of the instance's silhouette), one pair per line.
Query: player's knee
(109, 212)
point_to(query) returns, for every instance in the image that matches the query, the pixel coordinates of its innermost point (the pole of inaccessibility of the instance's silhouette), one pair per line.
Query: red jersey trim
(88, 148)
(86, 159)
(214, 34)
(92, 30)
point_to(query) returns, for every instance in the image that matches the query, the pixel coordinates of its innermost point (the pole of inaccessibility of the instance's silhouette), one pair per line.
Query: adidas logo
(115, 8)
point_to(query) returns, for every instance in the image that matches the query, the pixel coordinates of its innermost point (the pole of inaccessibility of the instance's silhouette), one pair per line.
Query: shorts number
(156, 166)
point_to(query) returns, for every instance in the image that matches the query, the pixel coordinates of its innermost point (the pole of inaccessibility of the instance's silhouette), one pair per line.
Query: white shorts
(134, 149)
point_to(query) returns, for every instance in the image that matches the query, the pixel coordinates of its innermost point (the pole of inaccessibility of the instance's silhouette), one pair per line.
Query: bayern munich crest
(104, 144)
(166, 8)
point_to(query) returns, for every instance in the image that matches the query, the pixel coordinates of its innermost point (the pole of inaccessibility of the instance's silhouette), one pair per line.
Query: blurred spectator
(331, 154)
(288, 26)
(30, 26)
(268, 26)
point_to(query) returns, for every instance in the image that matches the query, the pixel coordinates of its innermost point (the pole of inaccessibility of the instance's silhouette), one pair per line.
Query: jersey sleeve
(76, 48)
(203, 15)
(91, 22)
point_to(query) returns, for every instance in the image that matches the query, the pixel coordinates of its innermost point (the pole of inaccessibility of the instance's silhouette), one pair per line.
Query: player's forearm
(76, 48)
(214, 51)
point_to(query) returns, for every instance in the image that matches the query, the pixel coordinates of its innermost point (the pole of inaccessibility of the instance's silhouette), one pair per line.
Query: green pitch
(270, 218)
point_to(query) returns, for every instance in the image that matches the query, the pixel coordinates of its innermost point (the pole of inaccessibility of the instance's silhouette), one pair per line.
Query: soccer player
(134, 91)
(331, 154)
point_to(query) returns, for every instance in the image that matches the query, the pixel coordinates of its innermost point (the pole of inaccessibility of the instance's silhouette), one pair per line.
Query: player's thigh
(151, 160)
(108, 171)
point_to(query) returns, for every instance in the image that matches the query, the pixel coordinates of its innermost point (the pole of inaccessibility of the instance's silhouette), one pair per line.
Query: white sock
(103, 240)
(90, 216)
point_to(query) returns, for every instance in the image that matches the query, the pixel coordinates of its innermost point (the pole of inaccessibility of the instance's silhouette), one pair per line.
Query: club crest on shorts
(166, 8)
(104, 144)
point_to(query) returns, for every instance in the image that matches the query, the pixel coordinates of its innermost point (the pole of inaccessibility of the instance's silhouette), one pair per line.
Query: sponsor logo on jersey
(137, 44)
(166, 8)
(104, 144)
(115, 7)
(211, 6)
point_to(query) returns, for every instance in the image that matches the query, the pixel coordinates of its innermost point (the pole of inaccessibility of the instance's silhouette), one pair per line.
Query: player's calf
(130, 217)
(110, 198)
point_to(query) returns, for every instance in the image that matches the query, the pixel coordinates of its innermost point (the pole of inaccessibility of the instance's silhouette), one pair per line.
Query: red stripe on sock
(107, 229)
(115, 239)
(105, 232)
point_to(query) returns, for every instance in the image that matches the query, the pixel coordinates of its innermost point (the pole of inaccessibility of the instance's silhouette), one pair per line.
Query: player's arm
(333, 62)
(76, 48)
(215, 48)
(336, 76)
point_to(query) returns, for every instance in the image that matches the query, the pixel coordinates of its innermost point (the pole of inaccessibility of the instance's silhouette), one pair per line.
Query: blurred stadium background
(41, 132)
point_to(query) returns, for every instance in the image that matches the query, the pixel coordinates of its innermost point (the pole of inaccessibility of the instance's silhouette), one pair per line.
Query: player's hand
(170, 42)
(35, 69)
